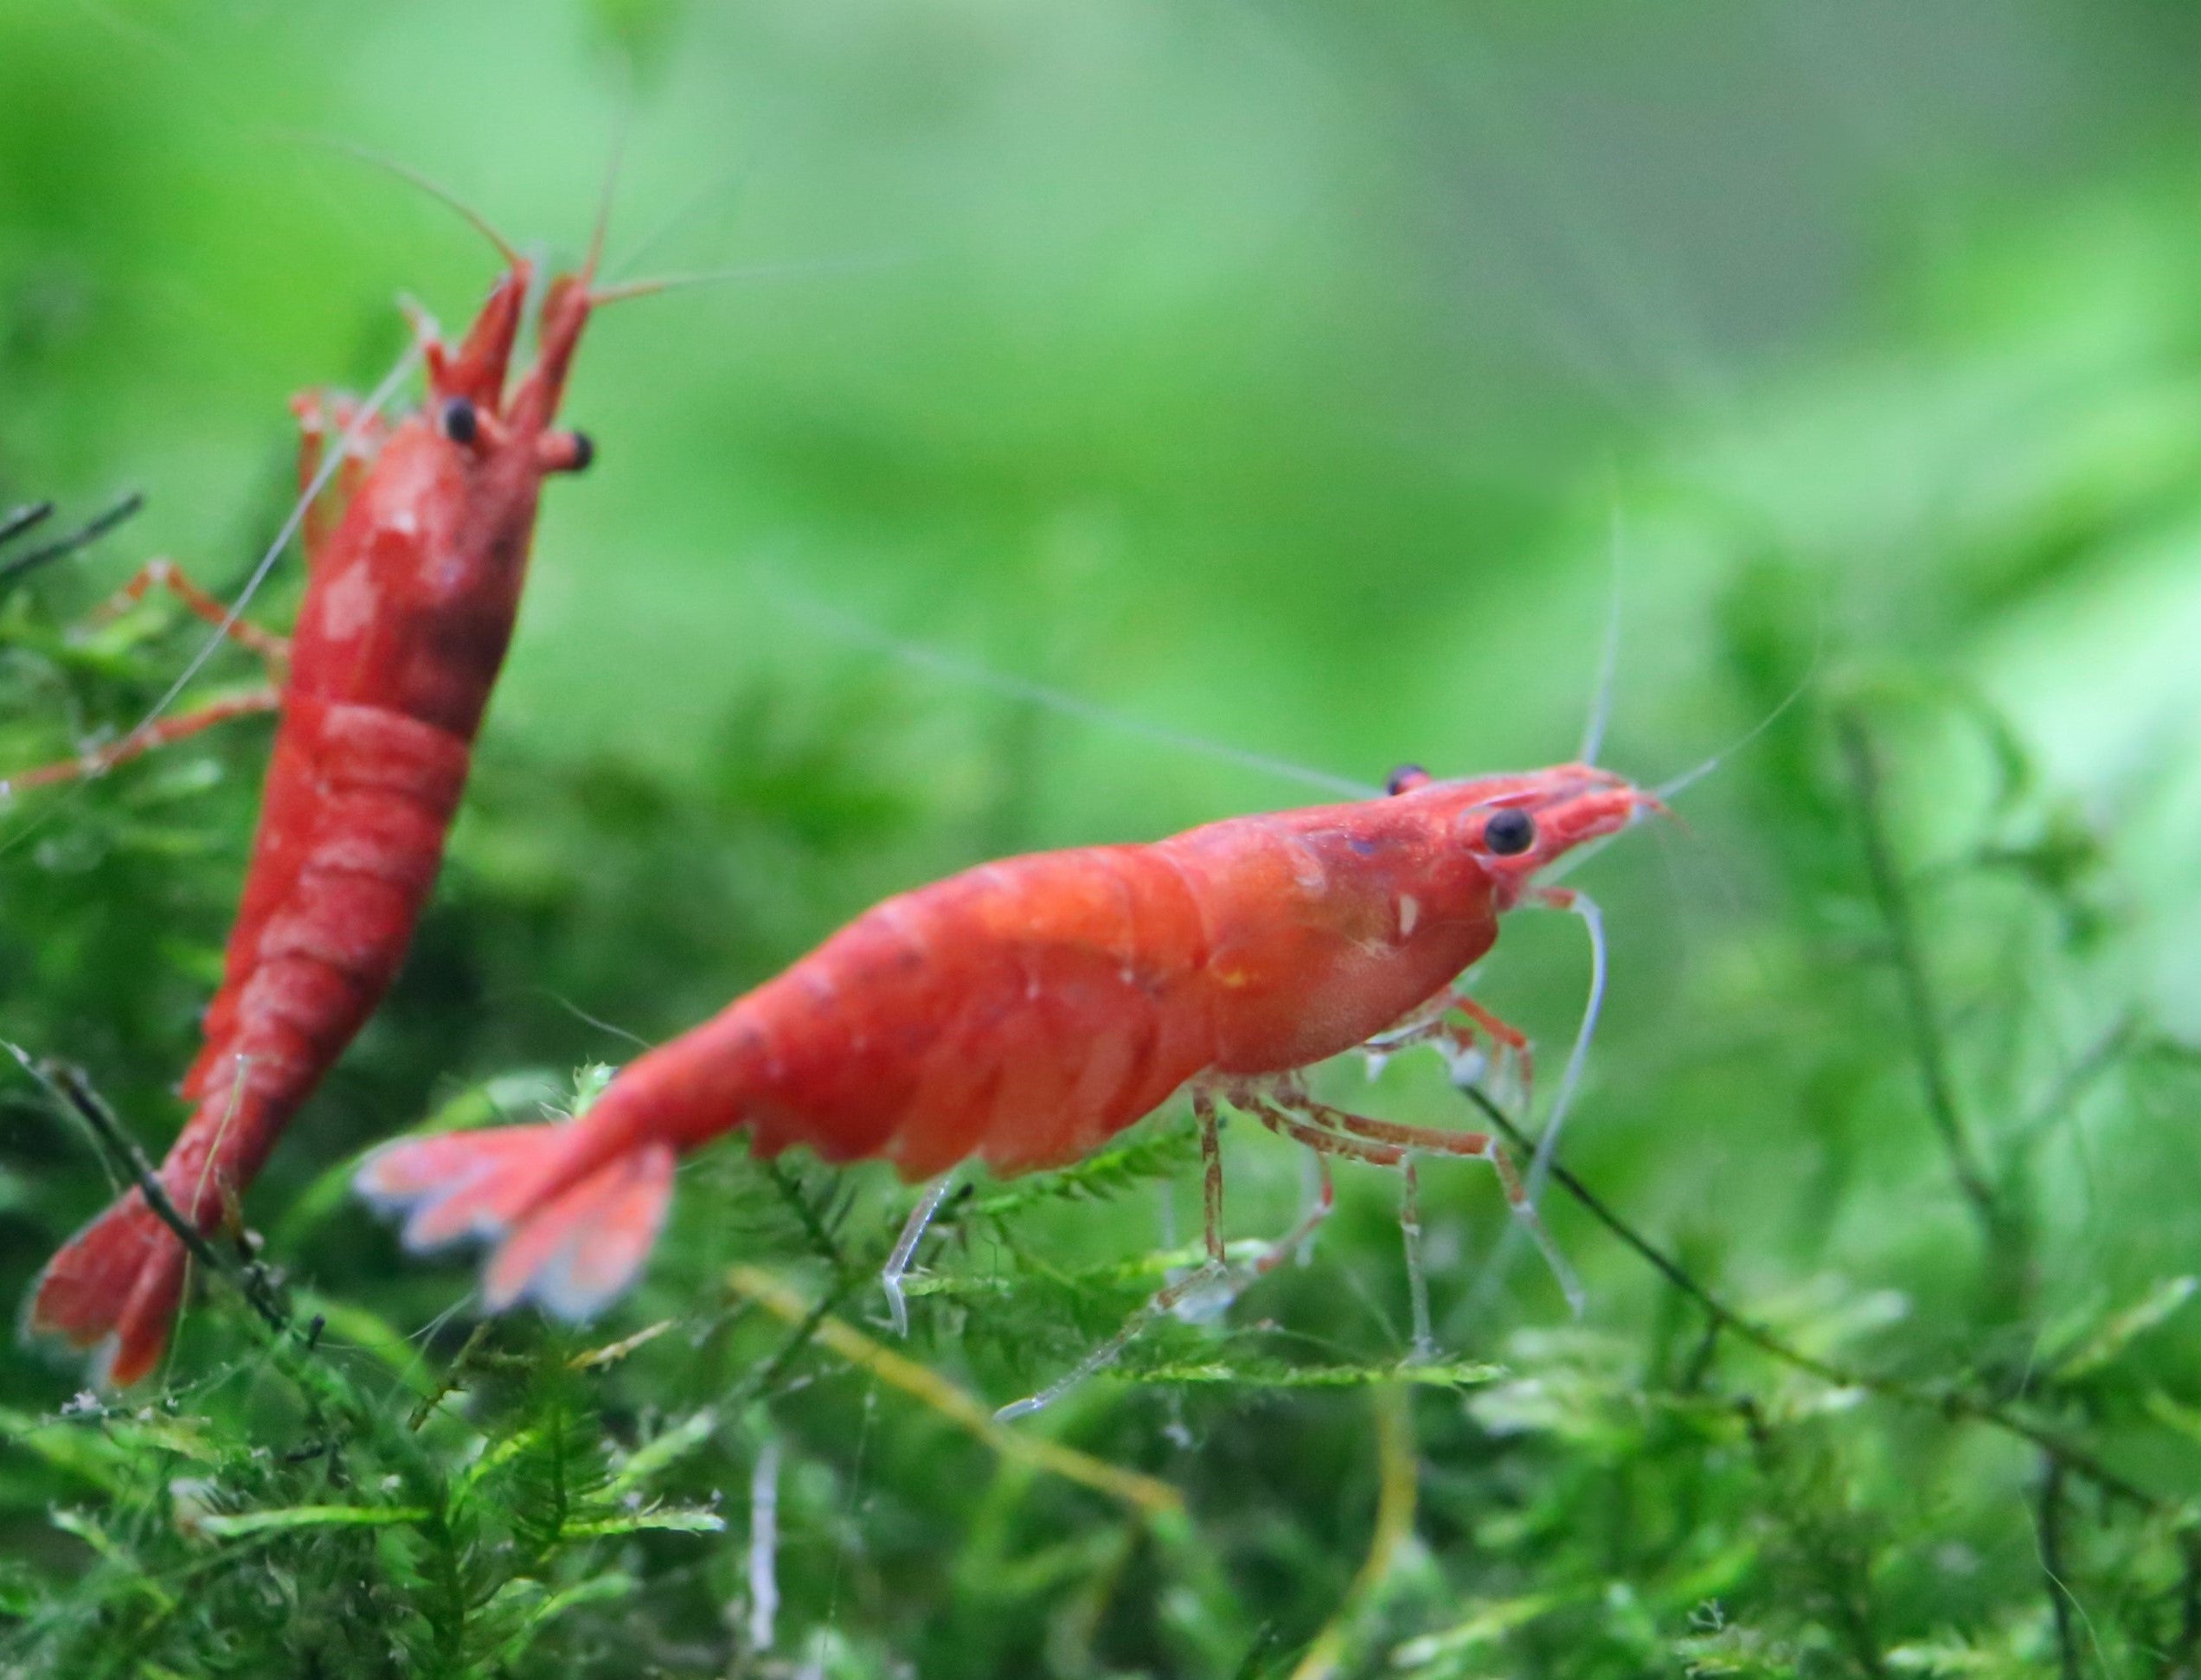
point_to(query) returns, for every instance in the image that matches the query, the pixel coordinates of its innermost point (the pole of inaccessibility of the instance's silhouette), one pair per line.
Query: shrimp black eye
(1509, 833)
(461, 421)
(1406, 779)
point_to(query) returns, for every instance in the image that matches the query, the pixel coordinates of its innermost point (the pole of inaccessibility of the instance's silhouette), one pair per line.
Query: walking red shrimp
(1026, 1011)
(380, 688)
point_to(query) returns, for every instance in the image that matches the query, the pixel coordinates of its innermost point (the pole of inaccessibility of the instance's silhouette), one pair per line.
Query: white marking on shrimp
(350, 602)
(1307, 870)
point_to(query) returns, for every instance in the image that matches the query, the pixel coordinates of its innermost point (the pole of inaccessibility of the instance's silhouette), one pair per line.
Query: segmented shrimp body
(407, 614)
(1026, 1011)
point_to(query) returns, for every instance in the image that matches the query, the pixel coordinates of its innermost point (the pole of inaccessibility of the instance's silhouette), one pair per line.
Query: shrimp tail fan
(572, 1245)
(115, 1287)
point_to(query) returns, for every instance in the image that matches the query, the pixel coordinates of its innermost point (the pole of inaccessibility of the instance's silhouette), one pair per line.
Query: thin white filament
(1494, 1273)
(844, 628)
(1578, 1057)
(418, 179)
(1417, 1277)
(1111, 1350)
(690, 207)
(1689, 778)
(1608, 659)
(612, 167)
(332, 461)
(792, 268)
(1525, 1218)
(1101, 1357)
(764, 1545)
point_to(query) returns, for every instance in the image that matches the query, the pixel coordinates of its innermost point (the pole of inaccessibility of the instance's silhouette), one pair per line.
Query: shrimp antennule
(427, 183)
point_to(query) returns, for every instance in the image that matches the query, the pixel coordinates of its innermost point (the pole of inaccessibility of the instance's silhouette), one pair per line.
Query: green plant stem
(1954, 1403)
(69, 1088)
(1893, 903)
(16, 521)
(2049, 1526)
(86, 534)
(821, 1239)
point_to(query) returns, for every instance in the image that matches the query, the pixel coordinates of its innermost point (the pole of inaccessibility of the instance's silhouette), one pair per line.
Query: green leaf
(242, 1525)
(660, 1452)
(2115, 1333)
(1270, 1375)
(675, 1519)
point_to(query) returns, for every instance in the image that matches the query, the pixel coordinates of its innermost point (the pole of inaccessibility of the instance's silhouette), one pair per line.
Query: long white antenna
(331, 460)
(793, 268)
(1494, 1273)
(1688, 778)
(1578, 1057)
(1609, 661)
(844, 628)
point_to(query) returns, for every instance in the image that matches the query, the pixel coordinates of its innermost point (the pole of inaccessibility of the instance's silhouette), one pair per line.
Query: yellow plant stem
(1395, 1502)
(1143, 1493)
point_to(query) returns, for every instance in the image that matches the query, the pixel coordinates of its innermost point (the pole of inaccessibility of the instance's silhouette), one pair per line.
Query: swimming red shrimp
(380, 690)
(1028, 1010)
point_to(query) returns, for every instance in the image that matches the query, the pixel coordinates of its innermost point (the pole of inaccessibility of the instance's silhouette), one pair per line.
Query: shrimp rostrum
(1026, 1011)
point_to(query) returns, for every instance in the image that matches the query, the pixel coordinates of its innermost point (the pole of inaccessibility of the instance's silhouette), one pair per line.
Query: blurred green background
(1306, 380)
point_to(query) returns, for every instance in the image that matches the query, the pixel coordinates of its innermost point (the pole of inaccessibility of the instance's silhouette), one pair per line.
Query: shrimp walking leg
(1510, 1039)
(317, 418)
(1417, 1277)
(1210, 1271)
(905, 1250)
(1398, 1140)
(1204, 1110)
(1295, 1241)
(1325, 1197)
(165, 733)
(1464, 1055)
(164, 573)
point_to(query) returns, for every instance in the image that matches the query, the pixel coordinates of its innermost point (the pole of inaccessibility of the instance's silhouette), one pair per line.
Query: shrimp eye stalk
(565, 451)
(1509, 833)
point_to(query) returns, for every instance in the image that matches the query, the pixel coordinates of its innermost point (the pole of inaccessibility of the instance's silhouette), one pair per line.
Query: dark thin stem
(69, 1088)
(2103, 1054)
(1718, 1310)
(453, 1376)
(800, 1338)
(2189, 1634)
(821, 1239)
(2049, 1521)
(1893, 903)
(1953, 1403)
(16, 521)
(89, 533)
